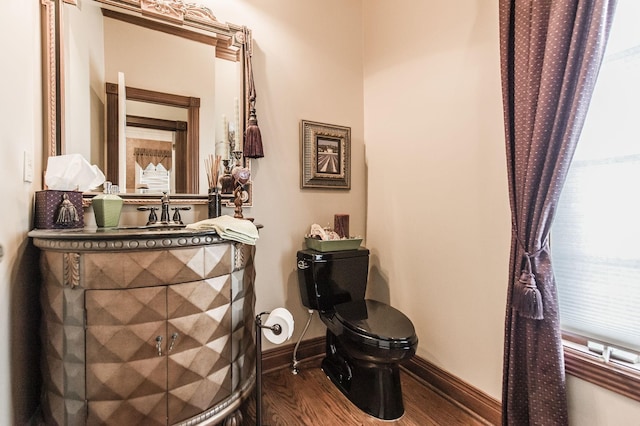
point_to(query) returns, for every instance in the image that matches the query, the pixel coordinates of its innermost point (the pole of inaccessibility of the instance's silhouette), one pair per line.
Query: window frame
(591, 367)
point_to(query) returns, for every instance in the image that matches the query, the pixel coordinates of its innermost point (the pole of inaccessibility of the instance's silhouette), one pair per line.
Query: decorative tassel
(527, 299)
(252, 137)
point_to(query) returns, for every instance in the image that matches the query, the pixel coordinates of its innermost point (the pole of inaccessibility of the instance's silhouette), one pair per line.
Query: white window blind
(595, 239)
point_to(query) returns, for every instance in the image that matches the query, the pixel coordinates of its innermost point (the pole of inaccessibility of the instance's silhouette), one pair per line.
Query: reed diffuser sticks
(213, 173)
(213, 170)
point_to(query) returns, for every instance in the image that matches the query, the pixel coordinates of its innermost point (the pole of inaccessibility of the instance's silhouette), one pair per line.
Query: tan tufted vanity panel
(145, 327)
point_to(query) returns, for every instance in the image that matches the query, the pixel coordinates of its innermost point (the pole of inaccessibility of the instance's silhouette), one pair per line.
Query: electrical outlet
(28, 167)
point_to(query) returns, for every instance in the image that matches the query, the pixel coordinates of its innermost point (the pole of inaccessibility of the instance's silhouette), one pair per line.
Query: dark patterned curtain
(551, 51)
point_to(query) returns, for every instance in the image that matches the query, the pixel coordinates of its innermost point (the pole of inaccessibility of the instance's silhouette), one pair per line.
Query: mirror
(180, 66)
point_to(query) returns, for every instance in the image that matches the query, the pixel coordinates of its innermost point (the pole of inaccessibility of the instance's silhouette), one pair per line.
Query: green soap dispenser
(107, 206)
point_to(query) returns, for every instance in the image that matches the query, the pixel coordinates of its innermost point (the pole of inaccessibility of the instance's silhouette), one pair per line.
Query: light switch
(28, 167)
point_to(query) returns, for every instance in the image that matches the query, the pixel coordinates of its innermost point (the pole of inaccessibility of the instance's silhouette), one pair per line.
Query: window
(595, 240)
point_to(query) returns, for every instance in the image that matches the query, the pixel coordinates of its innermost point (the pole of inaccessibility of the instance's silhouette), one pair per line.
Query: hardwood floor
(309, 398)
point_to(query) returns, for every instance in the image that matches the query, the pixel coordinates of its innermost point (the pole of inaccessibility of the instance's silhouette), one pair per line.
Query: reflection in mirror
(150, 153)
(181, 141)
(199, 58)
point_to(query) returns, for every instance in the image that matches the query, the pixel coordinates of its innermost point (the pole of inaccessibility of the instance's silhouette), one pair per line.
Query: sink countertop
(119, 239)
(117, 232)
(151, 231)
(123, 238)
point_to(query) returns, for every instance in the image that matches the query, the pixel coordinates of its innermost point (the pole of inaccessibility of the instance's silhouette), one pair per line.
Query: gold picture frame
(325, 155)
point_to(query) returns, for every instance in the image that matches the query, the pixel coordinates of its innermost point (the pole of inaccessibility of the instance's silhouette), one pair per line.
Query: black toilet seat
(376, 324)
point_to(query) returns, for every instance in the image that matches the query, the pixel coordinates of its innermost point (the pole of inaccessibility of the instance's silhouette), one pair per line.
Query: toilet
(366, 339)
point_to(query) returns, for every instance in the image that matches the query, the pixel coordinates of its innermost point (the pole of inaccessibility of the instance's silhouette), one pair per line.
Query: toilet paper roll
(284, 319)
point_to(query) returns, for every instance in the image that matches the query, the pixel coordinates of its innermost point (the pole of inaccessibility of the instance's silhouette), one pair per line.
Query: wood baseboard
(455, 390)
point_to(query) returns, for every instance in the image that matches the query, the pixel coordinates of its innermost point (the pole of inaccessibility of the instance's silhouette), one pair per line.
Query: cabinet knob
(159, 345)
(174, 337)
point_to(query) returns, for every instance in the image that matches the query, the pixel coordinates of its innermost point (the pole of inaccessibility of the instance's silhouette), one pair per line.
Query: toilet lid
(378, 321)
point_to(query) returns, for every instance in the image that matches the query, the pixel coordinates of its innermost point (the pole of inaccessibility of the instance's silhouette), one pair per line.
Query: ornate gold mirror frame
(174, 17)
(50, 15)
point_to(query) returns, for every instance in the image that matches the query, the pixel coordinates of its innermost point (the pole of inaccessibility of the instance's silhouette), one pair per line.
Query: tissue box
(54, 211)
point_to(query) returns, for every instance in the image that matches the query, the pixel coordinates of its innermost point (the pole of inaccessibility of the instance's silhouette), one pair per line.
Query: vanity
(145, 326)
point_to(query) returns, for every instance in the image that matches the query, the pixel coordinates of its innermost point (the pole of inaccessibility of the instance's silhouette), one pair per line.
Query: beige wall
(308, 65)
(438, 217)
(438, 213)
(21, 124)
(430, 194)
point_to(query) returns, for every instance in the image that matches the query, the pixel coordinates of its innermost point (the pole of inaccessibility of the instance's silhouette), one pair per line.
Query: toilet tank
(329, 278)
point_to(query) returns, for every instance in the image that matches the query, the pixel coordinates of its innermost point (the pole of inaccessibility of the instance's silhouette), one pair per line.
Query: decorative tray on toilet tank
(333, 245)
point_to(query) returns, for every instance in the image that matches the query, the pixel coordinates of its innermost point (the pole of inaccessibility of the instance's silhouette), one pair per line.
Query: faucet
(164, 216)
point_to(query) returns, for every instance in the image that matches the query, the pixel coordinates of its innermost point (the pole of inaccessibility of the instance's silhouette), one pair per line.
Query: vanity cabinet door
(158, 355)
(199, 361)
(126, 368)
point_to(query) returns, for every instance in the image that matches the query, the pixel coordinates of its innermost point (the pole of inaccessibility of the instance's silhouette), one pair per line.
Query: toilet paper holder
(277, 330)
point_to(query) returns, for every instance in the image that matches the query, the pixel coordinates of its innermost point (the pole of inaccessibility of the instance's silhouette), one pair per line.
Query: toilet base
(372, 387)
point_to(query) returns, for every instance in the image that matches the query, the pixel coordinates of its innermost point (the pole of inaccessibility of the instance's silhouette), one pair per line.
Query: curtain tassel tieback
(527, 299)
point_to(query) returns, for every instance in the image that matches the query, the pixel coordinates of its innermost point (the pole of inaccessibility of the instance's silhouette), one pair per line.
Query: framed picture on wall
(325, 155)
